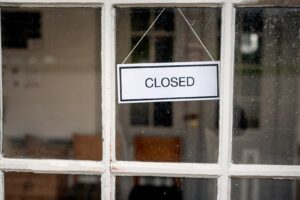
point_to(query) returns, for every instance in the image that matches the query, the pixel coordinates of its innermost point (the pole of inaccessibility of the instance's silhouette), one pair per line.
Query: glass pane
(152, 188)
(140, 55)
(51, 82)
(165, 22)
(164, 49)
(184, 131)
(30, 186)
(138, 114)
(141, 19)
(163, 114)
(266, 189)
(267, 80)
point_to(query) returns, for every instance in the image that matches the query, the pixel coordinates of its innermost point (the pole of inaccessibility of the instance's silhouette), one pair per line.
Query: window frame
(108, 168)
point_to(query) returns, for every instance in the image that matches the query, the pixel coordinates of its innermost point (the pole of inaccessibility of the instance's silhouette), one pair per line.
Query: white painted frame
(109, 167)
(246, 155)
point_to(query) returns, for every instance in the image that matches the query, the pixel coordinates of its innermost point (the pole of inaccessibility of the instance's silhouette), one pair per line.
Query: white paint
(1, 120)
(1, 106)
(167, 3)
(265, 171)
(225, 131)
(165, 169)
(52, 166)
(2, 197)
(108, 97)
(168, 82)
(52, 3)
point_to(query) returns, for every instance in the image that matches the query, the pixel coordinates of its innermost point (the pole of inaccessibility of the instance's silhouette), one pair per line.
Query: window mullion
(226, 88)
(1, 118)
(108, 97)
(52, 3)
(52, 166)
(132, 168)
(2, 186)
(1, 93)
(162, 3)
(263, 171)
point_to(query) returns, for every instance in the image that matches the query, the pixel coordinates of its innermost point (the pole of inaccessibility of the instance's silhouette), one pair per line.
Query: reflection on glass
(51, 82)
(51, 186)
(162, 188)
(267, 81)
(168, 131)
(266, 189)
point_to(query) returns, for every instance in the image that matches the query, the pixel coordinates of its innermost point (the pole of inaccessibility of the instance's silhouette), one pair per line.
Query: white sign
(155, 82)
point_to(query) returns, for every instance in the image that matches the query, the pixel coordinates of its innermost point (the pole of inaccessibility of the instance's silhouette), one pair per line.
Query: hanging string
(185, 19)
(195, 34)
(144, 35)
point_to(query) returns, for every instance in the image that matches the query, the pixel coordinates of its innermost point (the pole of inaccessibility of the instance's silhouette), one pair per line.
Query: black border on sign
(165, 66)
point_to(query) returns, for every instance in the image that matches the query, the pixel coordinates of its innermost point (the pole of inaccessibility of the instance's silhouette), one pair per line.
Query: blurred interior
(25, 186)
(266, 91)
(166, 188)
(256, 189)
(184, 131)
(51, 97)
(51, 83)
(52, 87)
(266, 86)
(266, 127)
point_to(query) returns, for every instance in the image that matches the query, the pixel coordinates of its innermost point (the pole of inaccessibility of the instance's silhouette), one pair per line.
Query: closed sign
(156, 82)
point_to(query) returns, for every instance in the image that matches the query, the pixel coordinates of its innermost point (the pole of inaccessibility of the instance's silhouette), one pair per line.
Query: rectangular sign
(181, 81)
